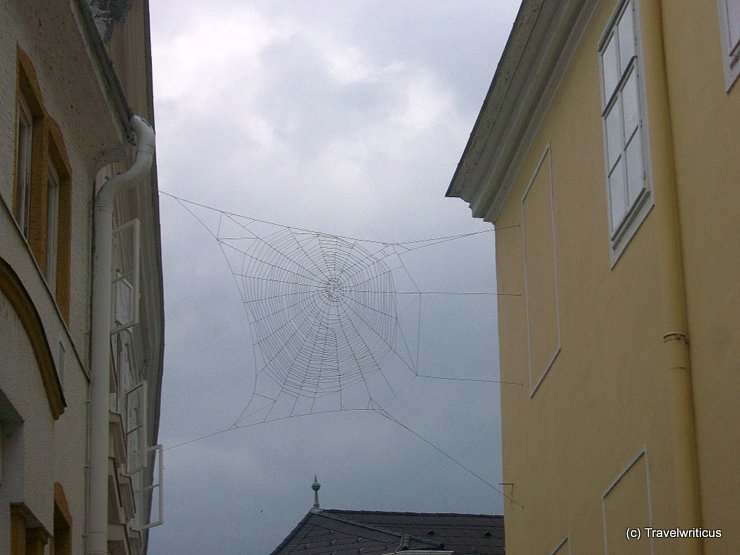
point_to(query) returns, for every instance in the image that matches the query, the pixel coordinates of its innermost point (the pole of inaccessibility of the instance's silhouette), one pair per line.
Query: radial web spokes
(335, 322)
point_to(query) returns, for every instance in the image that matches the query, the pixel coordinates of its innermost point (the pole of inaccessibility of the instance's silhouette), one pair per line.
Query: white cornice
(544, 37)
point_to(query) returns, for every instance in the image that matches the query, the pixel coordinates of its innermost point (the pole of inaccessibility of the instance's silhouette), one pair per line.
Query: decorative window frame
(62, 540)
(729, 29)
(12, 287)
(27, 534)
(636, 189)
(642, 454)
(536, 380)
(564, 542)
(47, 155)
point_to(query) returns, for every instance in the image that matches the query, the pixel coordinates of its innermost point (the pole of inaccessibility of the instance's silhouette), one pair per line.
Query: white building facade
(74, 75)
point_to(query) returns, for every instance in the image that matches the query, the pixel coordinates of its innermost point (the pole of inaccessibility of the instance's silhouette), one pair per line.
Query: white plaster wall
(73, 95)
(27, 474)
(43, 451)
(70, 441)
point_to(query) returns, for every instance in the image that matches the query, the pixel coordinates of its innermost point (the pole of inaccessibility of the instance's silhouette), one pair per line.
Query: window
(136, 427)
(729, 23)
(628, 188)
(123, 291)
(123, 369)
(42, 195)
(52, 225)
(24, 137)
(62, 522)
(126, 241)
(26, 537)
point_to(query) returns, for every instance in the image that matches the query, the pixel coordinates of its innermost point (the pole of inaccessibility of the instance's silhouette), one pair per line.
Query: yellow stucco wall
(591, 451)
(706, 137)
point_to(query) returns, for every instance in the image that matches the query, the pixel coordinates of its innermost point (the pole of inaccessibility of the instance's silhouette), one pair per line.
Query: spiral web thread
(335, 321)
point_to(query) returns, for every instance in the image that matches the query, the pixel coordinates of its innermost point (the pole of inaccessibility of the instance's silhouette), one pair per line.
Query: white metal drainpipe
(97, 541)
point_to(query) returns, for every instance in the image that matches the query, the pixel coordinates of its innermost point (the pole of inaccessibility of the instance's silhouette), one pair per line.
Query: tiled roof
(339, 532)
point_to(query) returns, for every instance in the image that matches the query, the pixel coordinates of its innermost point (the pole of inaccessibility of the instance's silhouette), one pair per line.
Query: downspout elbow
(138, 170)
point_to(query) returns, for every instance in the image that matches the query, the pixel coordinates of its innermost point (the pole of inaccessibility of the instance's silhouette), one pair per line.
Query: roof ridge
(410, 513)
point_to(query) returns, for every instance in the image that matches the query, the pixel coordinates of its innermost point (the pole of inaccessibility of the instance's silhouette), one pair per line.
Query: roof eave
(510, 57)
(534, 60)
(113, 87)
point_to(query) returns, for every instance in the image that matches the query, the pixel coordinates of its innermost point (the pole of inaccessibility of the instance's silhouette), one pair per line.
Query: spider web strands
(261, 259)
(325, 313)
(365, 345)
(296, 296)
(461, 293)
(288, 375)
(385, 414)
(373, 407)
(479, 380)
(410, 364)
(323, 309)
(420, 243)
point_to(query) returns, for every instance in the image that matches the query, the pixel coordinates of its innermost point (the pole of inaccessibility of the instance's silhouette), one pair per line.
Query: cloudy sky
(346, 118)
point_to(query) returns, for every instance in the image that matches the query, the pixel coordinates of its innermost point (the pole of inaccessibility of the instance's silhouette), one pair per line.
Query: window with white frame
(136, 428)
(126, 241)
(729, 23)
(628, 187)
(123, 369)
(24, 136)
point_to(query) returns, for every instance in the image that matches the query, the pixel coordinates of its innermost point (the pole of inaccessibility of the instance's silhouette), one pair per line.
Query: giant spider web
(335, 321)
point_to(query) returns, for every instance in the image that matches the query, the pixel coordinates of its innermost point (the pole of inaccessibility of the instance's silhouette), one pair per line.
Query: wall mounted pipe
(676, 375)
(97, 541)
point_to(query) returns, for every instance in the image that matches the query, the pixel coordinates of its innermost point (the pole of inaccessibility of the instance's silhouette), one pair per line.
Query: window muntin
(622, 114)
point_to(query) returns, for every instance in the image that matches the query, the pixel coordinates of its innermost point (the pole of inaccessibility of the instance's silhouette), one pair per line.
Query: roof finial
(315, 487)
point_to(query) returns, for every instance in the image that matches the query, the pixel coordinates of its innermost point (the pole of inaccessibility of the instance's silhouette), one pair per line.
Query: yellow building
(607, 154)
(80, 376)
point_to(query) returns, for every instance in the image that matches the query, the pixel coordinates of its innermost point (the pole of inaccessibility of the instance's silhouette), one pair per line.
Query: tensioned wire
(373, 409)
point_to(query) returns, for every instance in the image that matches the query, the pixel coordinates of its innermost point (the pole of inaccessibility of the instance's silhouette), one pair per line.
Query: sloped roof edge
(293, 533)
(331, 513)
(112, 83)
(351, 522)
(536, 56)
(330, 516)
